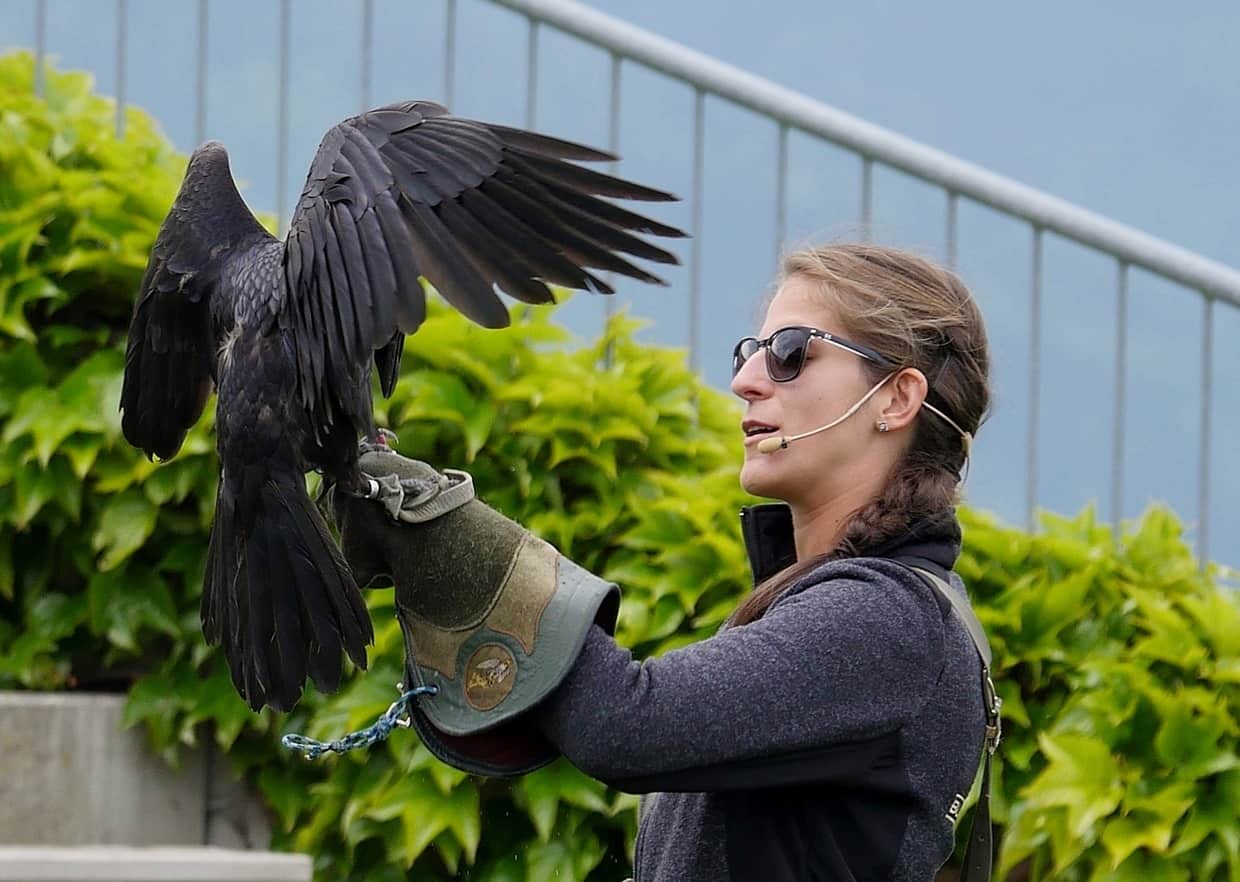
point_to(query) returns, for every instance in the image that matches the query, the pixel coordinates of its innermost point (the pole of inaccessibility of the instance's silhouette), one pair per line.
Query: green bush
(1119, 666)
(1119, 662)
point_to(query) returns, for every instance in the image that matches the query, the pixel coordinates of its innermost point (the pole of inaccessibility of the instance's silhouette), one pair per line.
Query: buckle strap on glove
(492, 616)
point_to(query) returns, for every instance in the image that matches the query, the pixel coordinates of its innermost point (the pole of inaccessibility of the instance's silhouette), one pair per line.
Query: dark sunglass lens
(786, 354)
(744, 351)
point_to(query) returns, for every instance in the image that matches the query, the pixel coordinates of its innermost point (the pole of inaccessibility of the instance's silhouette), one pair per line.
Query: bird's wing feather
(170, 355)
(409, 190)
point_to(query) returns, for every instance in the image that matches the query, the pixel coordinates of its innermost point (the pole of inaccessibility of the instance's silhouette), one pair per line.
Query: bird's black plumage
(287, 332)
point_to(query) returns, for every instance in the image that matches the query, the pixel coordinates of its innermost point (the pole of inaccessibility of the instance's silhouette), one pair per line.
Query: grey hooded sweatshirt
(831, 739)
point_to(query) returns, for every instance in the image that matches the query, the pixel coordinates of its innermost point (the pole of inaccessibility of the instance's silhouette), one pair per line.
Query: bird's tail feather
(279, 596)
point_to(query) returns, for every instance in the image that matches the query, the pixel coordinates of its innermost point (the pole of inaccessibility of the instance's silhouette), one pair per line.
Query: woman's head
(908, 334)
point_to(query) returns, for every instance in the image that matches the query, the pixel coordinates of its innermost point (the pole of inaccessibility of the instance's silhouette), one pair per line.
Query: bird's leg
(393, 493)
(383, 440)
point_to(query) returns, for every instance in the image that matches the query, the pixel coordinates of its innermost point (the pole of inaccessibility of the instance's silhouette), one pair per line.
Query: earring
(882, 426)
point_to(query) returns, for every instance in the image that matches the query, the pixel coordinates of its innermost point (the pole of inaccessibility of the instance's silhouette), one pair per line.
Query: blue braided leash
(377, 731)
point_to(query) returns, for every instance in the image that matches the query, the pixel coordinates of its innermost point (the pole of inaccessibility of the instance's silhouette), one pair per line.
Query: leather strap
(454, 489)
(979, 852)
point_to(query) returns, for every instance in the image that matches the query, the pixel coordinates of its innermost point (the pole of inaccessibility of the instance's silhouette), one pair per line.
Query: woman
(830, 730)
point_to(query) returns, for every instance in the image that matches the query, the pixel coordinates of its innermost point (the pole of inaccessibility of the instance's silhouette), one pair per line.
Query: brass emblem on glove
(490, 675)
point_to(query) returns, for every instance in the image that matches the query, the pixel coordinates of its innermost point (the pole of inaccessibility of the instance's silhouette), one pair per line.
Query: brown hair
(916, 314)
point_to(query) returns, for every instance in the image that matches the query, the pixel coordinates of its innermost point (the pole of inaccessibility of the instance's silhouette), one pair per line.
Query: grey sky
(1127, 109)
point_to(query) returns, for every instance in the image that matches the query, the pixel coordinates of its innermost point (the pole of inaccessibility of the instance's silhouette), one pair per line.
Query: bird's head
(210, 155)
(209, 201)
(208, 163)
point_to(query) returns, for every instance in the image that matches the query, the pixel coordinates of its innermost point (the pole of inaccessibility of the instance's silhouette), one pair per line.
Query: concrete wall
(70, 775)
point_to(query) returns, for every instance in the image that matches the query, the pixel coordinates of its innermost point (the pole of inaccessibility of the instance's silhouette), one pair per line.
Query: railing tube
(885, 147)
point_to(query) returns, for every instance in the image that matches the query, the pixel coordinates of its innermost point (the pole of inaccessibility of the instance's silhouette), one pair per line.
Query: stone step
(122, 863)
(71, 774)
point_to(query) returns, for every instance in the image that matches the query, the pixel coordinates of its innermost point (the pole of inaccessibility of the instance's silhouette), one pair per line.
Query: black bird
(286, 332)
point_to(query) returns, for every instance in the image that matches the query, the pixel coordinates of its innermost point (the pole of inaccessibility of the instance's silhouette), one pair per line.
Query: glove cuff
(523, 648)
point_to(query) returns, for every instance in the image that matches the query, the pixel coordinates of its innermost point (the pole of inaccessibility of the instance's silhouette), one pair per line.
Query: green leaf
(36, 487)
(154, 701)
(570, 857)
(425, 812)
(1125, 835)
(6, 567)
(284, 792)
(1081, 776)
(450, 851)
(1218, 615)
(1190, 735)
(541, 792)
(215, 699)
(1143, 868)
(124, 525)
(1213, 813)
(123, 602)
(477, 426)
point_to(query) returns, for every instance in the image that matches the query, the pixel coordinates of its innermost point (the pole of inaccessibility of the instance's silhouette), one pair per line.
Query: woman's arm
(840, 662)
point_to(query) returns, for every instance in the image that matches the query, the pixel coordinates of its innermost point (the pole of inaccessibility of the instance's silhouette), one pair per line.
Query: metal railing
(788, 112)
(957, 178)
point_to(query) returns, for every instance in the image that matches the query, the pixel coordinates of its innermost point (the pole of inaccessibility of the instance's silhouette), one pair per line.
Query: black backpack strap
(979, 852)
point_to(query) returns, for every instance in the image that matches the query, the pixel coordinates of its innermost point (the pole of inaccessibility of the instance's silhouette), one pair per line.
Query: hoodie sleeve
(845, 659)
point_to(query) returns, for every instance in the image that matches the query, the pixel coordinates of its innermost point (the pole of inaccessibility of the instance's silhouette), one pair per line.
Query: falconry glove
(492, 616)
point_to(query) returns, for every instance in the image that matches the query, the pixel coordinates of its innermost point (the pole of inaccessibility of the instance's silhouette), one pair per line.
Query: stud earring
(882, 426)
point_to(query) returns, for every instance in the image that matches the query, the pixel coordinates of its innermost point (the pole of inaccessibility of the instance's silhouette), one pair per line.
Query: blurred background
(1114, 385)
(1074, 162)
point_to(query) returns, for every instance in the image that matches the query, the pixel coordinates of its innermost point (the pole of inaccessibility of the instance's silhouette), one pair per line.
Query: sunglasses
(786, 348)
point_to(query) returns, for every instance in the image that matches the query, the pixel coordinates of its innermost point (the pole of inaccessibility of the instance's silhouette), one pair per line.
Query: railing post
(613, 145)
(40, 47)
(200, 84)
(867, 197)
(367, 60)
(449, 53)
(1035, 377)
(286, 14)
(695, 267)
(781, 194)
(531, 74)
(1121, 379)
(122, 26)
(1207, 392)
(952, 227)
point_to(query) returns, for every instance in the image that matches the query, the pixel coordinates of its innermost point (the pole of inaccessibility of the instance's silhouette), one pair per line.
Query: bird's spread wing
(409, 190)
(170, 354)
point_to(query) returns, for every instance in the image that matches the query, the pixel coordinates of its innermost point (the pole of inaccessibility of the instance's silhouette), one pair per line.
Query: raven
(286, 332)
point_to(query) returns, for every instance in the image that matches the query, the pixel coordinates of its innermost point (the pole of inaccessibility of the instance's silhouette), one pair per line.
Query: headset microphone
(770, 445)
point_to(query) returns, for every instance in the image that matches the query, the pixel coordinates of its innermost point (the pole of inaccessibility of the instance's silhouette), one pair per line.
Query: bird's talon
(417, 488)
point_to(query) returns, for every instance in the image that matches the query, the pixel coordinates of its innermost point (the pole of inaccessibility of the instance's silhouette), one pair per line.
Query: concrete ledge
(71, 775)
(119, 863)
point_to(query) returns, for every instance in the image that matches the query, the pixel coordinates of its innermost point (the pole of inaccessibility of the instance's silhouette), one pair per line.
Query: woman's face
(823, 466)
